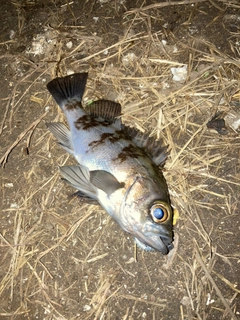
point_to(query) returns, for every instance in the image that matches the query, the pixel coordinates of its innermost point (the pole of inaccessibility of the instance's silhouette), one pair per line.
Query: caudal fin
(68, 88)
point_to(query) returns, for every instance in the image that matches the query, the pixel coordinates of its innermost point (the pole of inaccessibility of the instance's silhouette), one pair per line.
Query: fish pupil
(158, 213)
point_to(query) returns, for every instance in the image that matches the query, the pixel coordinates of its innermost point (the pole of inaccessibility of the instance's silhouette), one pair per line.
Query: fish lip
(155, 242)
(158, 238)
(164, 245)
(168, 243)
(163, 248)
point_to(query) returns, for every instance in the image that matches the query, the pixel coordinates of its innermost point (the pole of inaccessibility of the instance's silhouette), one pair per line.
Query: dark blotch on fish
(103, 137)
(86, 122)
(129, 151)
(73, 105)
(111, 137)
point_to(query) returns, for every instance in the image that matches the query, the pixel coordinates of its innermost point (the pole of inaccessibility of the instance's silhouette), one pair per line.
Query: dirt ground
(63, 259)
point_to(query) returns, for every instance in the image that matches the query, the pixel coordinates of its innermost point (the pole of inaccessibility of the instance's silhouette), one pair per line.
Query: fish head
(147, 214)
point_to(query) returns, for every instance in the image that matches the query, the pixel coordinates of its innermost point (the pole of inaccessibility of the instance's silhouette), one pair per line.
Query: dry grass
(56, 263)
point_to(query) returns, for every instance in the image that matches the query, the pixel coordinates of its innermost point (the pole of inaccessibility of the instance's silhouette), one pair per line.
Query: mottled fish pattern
(118, 167)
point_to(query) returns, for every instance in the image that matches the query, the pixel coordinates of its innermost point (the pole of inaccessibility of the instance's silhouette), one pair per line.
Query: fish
(118, 167)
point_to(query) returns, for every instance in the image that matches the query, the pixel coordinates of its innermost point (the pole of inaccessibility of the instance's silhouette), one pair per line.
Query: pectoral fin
(105, 181)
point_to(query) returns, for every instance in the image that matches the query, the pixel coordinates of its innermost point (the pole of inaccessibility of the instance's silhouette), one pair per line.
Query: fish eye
(160, 211)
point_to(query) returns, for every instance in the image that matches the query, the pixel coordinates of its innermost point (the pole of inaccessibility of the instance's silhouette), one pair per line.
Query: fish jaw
(151, 235)
(157, 237)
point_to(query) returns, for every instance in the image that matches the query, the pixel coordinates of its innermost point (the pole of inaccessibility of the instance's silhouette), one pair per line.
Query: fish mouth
(167, 242)
(160, 240)
(161, 244)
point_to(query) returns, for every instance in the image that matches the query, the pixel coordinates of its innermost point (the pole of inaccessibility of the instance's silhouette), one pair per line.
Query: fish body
(117, 165)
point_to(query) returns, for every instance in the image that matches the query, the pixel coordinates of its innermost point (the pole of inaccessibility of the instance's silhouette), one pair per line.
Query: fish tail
(68, 89)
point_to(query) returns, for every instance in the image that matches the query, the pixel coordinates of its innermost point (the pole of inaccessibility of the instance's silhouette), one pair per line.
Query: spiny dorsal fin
(152, 147)
(106, 109)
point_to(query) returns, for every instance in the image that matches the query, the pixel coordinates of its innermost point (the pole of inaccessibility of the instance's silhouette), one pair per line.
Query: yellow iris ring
(164, 207)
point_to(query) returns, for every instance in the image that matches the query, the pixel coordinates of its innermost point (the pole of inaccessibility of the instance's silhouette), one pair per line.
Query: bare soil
(63, 259)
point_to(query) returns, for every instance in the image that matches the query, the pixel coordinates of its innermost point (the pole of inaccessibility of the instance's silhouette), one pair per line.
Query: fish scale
(118, 166)
(90, 143)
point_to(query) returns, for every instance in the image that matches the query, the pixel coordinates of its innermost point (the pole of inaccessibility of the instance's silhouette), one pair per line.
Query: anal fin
(62, 134)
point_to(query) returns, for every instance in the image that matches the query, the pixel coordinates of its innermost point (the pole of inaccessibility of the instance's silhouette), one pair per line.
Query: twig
(174, 3)
(4, 158)
(214, 284)
(12, 97)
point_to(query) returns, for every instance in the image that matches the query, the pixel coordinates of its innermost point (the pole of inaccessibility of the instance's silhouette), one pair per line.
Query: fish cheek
(136, 209)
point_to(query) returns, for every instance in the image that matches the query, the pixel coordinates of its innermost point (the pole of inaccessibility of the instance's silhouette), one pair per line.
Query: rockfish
(118, 166)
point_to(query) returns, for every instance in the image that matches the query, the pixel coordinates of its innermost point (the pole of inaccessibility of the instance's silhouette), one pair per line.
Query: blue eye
(158, 213)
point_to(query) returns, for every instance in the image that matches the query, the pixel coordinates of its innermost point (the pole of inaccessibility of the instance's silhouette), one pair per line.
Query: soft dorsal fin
(106, 109)
(152, 147)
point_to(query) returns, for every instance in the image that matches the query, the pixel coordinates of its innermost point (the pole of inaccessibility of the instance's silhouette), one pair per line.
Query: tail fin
(68, 88)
